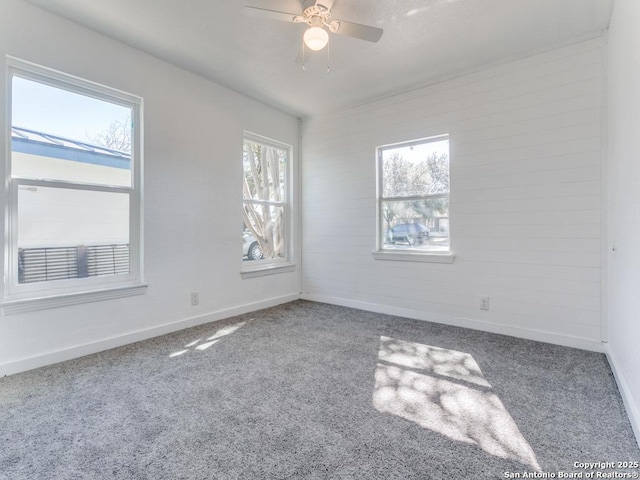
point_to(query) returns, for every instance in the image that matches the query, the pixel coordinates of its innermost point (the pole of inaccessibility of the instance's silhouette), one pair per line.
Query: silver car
(251, 248)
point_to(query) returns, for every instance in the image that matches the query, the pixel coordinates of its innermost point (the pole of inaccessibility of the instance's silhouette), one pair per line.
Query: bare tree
(117, 136)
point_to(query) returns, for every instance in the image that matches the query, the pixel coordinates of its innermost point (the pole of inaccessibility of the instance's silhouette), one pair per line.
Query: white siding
(42, 223)
(526, 149)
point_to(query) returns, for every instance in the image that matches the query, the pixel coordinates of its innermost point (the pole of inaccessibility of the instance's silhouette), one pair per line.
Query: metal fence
(58, 263)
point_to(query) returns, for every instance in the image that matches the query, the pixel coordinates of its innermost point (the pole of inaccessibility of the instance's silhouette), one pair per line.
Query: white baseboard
(50, 358)
(474, 324)
(630, 404)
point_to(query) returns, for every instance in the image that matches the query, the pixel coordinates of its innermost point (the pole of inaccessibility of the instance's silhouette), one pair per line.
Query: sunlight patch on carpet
(204, 346)
(178, 353)
(444, 391)
(228, 330)
(213, 339)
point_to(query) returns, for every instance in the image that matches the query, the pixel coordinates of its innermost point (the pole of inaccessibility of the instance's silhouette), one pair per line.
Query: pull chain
(303, 67)
(328, 60)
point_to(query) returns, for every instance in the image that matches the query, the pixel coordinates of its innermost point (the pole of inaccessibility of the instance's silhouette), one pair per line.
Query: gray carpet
(308, 390)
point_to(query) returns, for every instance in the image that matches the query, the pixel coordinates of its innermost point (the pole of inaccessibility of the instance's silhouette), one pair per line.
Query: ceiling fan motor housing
(318, 14)
(323, 5)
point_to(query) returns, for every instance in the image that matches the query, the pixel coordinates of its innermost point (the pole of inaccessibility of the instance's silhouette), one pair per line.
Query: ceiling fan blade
(325, 3)
(271, 14)
(363, 32)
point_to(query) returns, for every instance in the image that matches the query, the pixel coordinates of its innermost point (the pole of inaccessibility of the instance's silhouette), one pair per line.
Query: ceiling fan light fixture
(316, 38)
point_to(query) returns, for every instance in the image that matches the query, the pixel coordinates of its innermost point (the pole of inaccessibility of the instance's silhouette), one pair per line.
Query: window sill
(10, 307)
(415, 257)
(263, 270)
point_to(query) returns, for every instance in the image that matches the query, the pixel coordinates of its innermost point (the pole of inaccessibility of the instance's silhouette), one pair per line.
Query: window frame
(47, 294)
(408, 254)
(257, 268)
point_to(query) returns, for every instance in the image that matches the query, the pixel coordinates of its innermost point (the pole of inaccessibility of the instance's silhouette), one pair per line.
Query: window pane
(61, 135)
(417, 225)
(418, 169)
(263, 224)
(69, 233)
(264, 172)
(265, 195)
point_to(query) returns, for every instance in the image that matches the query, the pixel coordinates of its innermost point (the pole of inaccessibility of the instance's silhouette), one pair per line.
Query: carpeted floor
(308, 390)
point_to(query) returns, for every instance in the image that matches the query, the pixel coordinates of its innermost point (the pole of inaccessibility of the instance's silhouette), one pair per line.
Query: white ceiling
(424, 41)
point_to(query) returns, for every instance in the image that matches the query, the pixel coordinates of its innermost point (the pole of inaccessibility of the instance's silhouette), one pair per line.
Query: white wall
(193, 197)
(526, 150)
(623, 175)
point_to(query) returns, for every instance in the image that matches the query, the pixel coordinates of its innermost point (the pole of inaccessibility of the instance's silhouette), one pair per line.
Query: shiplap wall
(526, 149)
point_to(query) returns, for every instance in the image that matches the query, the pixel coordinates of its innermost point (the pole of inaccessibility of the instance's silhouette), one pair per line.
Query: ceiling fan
(317, 14)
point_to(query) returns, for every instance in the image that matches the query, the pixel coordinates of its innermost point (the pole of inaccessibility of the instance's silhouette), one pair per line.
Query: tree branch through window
(264, 192)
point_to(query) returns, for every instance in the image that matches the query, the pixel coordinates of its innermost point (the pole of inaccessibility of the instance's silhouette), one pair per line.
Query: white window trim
(32, 304)
(19, 298)
(270, 269)
(260, 268)
(405, 255)
(415, 256)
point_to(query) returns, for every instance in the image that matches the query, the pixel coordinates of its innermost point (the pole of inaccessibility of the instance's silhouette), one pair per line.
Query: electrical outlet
(484, 303)
(195, 298)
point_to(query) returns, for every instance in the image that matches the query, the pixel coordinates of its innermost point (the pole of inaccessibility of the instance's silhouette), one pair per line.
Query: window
(413, 197)
(74, 182)
(265, 235)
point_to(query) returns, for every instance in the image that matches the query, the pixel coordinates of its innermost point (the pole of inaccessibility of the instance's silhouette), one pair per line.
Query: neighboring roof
(33, 142)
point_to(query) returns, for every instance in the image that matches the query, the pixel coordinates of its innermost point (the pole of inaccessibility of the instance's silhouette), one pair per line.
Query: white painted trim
(10, 307)
(630, 404)
(471, 323)
(37, 361)
(40, 295)
(415, 257)
(287, 205)
(270, 269)
(604, 195)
